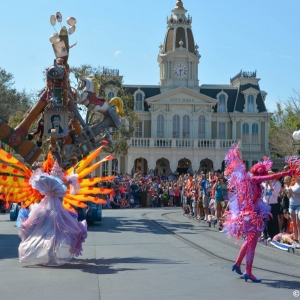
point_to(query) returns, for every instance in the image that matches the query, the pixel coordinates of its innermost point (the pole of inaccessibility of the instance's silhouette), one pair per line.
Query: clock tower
(178, 57)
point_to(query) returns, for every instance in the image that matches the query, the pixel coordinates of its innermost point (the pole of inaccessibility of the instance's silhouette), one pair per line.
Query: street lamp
(296, 134)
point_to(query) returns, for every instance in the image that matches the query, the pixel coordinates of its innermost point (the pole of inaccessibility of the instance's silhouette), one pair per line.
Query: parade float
(62, 126)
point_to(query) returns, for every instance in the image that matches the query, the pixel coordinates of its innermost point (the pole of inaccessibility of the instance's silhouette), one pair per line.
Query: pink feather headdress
(262, 168)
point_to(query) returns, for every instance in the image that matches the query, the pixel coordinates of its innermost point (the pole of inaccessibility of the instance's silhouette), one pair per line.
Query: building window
(114, 166)
(254, 133)
(254, 162)
(138, 129)
(186, 127)
(176, 126)
(110, 95)
(222, 131)
(105, 168)
(160, 126)
(246, 164)
(201, 127)
(139, 101)
(250, 103)
(222, 103)
(245, 133)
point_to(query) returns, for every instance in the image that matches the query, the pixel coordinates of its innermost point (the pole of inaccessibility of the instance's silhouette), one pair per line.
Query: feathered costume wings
(15, 181)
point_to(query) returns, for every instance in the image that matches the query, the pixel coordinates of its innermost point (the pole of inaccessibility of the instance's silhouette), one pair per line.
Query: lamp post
(296, 137)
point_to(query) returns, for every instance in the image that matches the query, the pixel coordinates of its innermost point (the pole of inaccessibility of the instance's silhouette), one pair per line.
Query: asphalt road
(131, 255)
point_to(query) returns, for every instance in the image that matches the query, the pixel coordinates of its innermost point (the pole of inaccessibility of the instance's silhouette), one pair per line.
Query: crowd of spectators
(204, 197)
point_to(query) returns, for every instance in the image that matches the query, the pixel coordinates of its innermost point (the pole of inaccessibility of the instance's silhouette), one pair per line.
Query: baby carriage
(4, 206)
(154, 201)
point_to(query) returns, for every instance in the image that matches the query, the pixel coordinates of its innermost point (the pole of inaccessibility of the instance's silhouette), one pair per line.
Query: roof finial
(179, 4)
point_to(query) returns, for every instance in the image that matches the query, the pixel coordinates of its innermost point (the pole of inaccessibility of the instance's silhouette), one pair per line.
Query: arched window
(246, 133)
(222, 103)
(110, 95)
(160, 126)
(186, 127)
(222, 130)
(176, 126)
(104, 166)
(201, 127)
(139, 129)
(254, 133)
(114, 166)
(250, 103)
(139, 101)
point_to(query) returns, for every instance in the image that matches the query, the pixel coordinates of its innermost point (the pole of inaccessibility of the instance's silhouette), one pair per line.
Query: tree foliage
(11, 100)
(283, 123)
(108, 79)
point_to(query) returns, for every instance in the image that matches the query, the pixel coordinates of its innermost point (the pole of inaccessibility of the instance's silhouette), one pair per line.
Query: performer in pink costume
(245, 218)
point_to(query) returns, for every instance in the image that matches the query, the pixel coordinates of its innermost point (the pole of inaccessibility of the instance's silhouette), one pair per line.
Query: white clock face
(180, 70)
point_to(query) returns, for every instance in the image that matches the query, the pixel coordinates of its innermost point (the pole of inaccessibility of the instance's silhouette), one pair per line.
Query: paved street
(129, 255)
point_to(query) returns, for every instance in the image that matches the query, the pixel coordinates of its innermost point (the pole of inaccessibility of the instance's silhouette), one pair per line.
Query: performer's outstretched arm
(260, 179)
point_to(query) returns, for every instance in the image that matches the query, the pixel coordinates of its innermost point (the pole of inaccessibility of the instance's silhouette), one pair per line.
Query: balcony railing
(182, 143)
(252, 147)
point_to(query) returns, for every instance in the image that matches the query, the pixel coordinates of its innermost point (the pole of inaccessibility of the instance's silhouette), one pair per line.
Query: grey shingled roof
(236, 100)
(149, 92)
(213, 92)
(240, 102)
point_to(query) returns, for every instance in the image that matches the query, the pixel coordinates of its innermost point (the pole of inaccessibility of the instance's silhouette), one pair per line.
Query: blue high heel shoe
(251, 277)
(237, 269)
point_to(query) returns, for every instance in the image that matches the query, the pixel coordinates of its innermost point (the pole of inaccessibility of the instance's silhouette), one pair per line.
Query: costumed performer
(50, 233)
(247, 212)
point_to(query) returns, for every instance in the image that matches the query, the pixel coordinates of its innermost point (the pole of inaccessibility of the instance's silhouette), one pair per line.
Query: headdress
(262, 168)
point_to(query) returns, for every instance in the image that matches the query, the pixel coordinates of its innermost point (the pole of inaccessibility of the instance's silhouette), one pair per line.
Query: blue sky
(232, 35)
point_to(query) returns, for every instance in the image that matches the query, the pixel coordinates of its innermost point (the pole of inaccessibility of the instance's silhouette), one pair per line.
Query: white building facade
(187, 127)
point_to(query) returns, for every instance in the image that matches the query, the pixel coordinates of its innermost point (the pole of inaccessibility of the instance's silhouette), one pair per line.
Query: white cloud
(285, 56)
(117, 53)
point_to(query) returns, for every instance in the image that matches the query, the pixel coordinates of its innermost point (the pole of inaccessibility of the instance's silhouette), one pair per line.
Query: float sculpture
(57, 109)
(49, 197)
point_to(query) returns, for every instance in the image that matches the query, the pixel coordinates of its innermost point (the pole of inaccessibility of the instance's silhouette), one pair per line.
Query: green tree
(11, 100)
(108, 79)
(283, 123)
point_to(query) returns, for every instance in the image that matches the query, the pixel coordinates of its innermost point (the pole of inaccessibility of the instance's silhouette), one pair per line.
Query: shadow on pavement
(106, 266)
(9, 244)
(120, 224)
(282, 284)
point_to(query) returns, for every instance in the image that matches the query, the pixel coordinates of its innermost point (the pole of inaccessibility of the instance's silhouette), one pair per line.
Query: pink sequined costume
(247, 212)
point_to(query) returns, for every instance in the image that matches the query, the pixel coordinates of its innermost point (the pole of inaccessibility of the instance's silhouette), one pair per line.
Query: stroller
(4, 206)
(154, 201)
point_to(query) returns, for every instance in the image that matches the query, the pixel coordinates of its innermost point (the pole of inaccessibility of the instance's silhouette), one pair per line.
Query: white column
(173, 163)
(110, 167)
(129, 163)
(193, 130)
(267, 134)
(234, 130)
(153, 134)
(208, 128)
